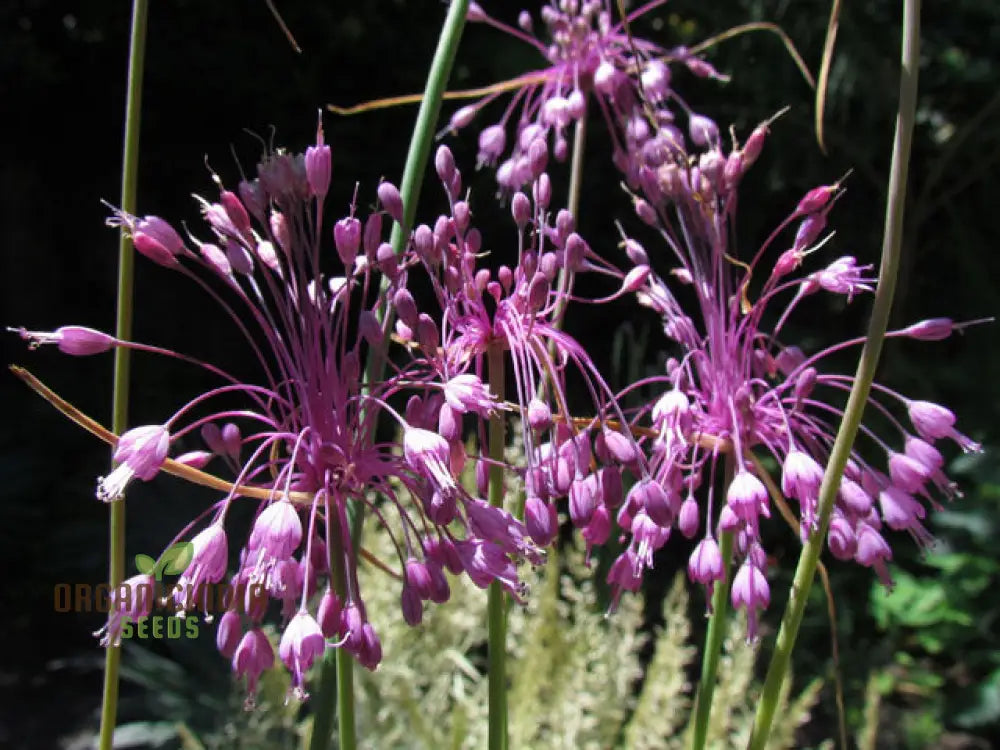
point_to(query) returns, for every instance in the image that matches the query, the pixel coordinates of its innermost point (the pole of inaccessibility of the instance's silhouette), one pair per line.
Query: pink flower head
(253, 656)
(130, 601)
(751, 593)
(428, 454)
(735, 385)
(300, 644)
(277, 532)
(140, 453)
(466, 393)
(590, 57)
(208, 564)
(705, 564)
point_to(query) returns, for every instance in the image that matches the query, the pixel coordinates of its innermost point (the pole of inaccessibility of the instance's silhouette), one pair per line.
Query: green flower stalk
(840, 453)
(123, 330)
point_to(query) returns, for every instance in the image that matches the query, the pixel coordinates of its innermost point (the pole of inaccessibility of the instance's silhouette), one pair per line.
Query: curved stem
(714, 636)
(891, 251)
(495, 610)
(123, 330)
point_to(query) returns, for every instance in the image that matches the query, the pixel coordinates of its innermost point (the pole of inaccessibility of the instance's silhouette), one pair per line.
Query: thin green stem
(891, 252)
(123, 330)
(495, 608)
(714, 636)
(336, 674)
(346, 732)
(417, 157)
(427, 117)
(326, 695)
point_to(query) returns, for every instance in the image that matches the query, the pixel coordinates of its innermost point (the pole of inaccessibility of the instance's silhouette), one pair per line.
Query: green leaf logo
(145, 564)
(174, 561)
(177, 558)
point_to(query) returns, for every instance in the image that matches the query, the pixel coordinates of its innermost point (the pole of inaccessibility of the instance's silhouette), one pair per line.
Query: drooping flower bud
(703, 130)
(391, 200)
(347, 239)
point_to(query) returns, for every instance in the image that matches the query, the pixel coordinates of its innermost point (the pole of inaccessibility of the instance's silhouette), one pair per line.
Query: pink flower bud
(635, 279)
(541, 520)
(461, 119)
(930, 420)
(934, 329)
(645, 212)
(703, 130)
(227, 633)
(300, 644)
(329, 614)
(318, 167)
(705, 563)
(538, 157)
(444, 163)
(253, 656)
(492, 142)
(347, 239)
(636, 253)
(461, 215)
(687, 521)
(475, 13)
(406, 308)
(815, 200)
(840, 538)
(755, 144)
(77, 341)
(520, 208)
(392, 202)
(542, 191)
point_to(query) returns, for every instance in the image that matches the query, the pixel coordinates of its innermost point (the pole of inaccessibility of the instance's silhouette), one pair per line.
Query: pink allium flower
(590, 57)
(253, 656)
(300, 644)
(130, 601)
(304, 441)
(140, 453)
(735, 386)
(208, 565)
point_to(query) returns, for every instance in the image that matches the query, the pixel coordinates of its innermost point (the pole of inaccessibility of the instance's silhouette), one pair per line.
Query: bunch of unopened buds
(316, 301)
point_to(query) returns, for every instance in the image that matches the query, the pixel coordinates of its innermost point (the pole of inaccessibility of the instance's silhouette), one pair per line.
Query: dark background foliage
(218, 70)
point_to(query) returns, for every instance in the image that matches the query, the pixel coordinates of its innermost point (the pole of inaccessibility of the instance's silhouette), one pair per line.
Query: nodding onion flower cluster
(306, 446)
(735, 387)
(590, 54)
